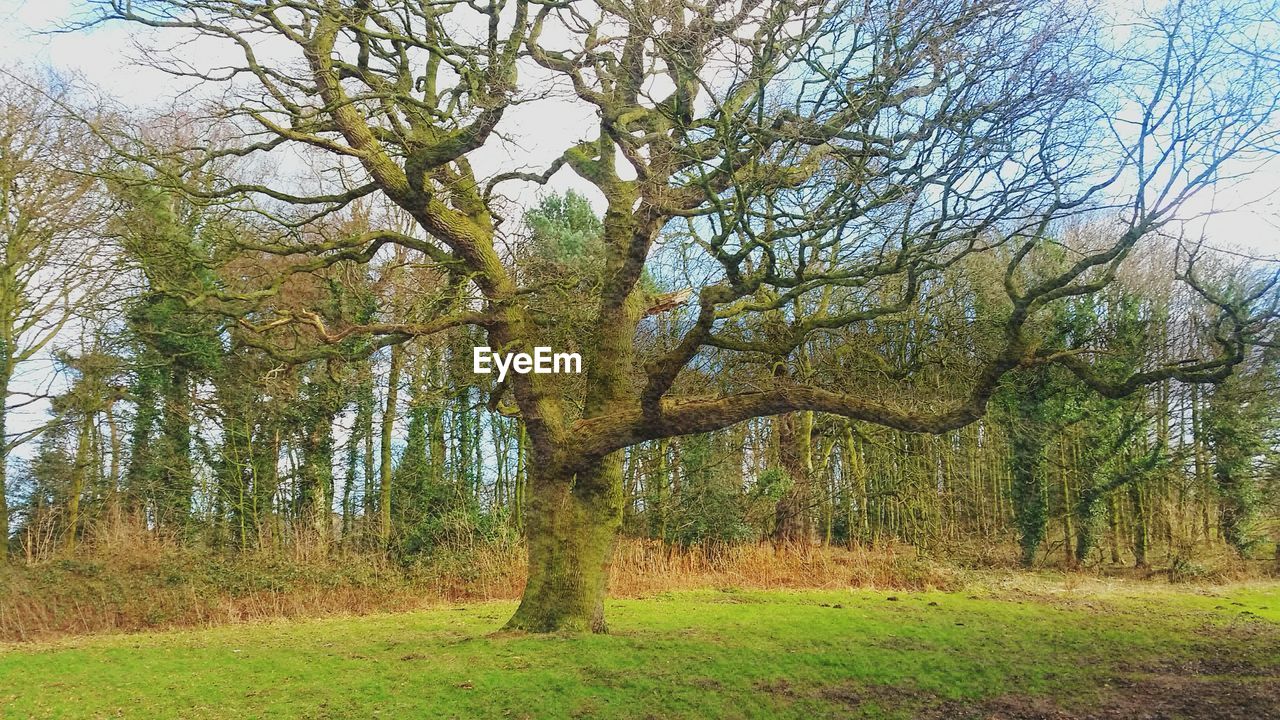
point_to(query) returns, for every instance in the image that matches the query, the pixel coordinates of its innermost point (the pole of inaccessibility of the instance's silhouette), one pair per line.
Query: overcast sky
(1248, 212)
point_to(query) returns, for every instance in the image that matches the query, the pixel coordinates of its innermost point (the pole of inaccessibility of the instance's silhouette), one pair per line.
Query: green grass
(685, 655)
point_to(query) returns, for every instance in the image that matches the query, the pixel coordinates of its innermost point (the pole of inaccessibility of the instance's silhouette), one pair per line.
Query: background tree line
(176, 420)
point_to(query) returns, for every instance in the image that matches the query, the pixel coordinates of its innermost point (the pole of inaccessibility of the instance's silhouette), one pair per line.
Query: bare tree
(48, 212)
(815, 164)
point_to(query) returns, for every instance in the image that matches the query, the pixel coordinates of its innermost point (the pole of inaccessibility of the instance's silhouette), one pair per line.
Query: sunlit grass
(689, 654)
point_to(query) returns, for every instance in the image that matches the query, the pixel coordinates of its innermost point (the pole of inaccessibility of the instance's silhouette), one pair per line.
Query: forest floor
(1011, 646)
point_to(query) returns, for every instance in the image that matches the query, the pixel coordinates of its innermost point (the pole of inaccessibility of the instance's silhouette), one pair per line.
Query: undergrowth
(153, 584)
(138, 581)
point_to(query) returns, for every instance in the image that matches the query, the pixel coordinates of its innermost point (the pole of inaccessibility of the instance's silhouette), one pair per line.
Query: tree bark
(1087, 520)
(113, 474)
(796, 457)
(176, 474)
(4, 475)
(388, 428)
(1029, 507)
(78, 473)
(1113, 520)
(659, 481)
(316, 473)
(1139, 526)
(367, 498)
(571, 523)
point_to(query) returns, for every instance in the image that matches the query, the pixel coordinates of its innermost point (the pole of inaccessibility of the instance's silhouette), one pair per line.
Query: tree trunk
(1068, 532)
(4, 477)
(316, 473)
(367, 497)
(359, 451)
(78, 473)
(353, 460)
(659, 481)
(1029, 507)
(571, 524)
(1087, 518)
(1113, 520)
(1139, 526)
(177, 480)
(795, 455)
(113, 474)
(388, 428)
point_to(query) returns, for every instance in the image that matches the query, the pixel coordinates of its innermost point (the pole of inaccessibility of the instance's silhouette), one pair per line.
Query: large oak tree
(813, 164)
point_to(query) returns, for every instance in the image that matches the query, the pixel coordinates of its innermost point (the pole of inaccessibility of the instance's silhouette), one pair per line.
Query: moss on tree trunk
(1029, 506)
(4, 484)
(571, 523)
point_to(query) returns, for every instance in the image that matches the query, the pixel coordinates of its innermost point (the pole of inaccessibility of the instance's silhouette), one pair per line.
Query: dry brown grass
(146, 583)
(137, 581)
(642, 567)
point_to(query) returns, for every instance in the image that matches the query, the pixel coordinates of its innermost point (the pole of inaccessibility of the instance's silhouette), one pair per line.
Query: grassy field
(1016, 647)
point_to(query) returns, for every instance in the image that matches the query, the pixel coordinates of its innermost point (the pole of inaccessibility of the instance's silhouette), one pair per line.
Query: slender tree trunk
(1029, 506)
(177, 477)
(267, 486)
(1139, 526)
(366, 432)
(1068, 532)
(1199, 432)
(477, 447)
(4, 474)
(315, 473)
(438, 452)
(571, 524)
(1233, 511)
(659, 481)
(388, 427)
(359, 451)
(113, 474)
(353, 443)
(631, 481)
(1086, 523)
(853, 533)
(1113, 520)
(78, 473)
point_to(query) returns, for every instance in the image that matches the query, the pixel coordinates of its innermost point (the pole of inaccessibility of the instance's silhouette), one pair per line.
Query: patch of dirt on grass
(1149, 697)
(778, 687)
(1219, 681)
(1080, 601)
(1005, 707)
(1241, 649)
(1180, 696)
(1220, 665)
(885, 696)
(853, 695)
(1251, 631)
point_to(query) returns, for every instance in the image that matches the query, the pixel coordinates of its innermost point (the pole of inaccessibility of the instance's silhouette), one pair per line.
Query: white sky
(1246, 211)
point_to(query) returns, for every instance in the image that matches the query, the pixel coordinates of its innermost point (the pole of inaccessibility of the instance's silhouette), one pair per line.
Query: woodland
(843, 275)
